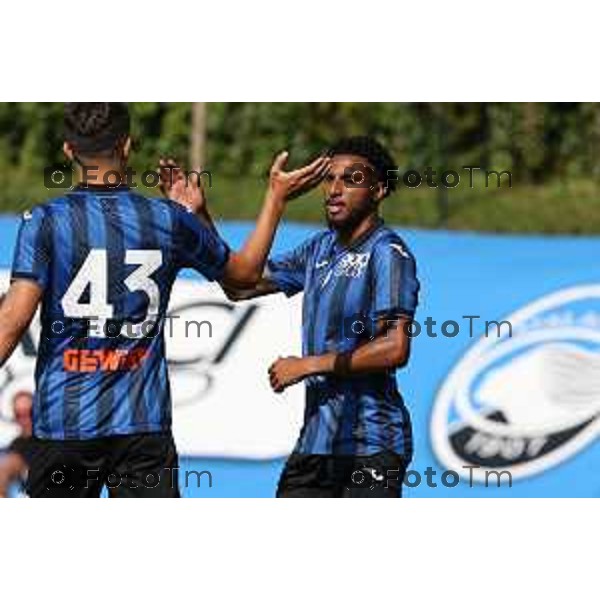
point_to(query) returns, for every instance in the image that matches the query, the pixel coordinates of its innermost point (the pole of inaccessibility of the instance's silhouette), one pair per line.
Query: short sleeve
(394, 280)
(288, 270)
(199, 247)
(33, 249)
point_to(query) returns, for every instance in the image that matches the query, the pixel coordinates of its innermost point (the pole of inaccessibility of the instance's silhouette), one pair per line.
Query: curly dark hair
(95, 128)
(371, 150)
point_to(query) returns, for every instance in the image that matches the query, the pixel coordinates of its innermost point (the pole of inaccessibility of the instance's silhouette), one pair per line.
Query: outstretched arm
(244, 269)
(16, 312)
(264, 287)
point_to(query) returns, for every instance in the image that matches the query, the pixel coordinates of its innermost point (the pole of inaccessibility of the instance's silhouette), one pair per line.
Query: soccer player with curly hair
(360, 294)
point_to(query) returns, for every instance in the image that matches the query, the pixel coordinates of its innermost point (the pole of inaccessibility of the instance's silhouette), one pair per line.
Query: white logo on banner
(223, 403)
(529, 401)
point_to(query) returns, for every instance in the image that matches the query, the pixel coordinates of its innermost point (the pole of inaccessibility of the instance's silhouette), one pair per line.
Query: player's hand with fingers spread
(169, 172)
(185, 189)
(287, 371)
(290, 184)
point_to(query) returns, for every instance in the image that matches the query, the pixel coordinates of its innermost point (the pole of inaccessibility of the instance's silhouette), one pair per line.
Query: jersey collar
(101, 188)
(379, 222)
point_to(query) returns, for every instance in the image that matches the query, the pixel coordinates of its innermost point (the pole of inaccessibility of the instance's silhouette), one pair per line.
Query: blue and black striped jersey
(106, 260)
(346, 291)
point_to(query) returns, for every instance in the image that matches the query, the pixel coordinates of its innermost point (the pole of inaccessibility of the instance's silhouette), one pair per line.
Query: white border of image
(306, 51)
(493, 549)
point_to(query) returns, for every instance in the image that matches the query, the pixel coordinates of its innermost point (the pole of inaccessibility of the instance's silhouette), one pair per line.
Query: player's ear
(68, 150)
(379, 192)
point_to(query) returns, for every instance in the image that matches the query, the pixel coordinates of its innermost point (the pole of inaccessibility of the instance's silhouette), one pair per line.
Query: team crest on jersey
(525, 402)
(352, 264)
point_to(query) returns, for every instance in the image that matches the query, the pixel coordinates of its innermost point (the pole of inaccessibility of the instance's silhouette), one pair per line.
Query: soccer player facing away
(102, 261)
(360, 294)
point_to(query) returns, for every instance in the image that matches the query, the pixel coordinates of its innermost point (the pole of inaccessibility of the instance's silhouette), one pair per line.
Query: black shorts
(130, 466)
(330, 476)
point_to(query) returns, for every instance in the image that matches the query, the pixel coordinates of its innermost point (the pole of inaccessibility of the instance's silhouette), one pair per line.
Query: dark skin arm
(390, 349)
(245, 268)
(264, 287)
(16, 312)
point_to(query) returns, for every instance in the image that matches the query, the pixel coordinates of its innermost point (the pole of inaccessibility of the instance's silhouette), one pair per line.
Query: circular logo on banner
(526, 397)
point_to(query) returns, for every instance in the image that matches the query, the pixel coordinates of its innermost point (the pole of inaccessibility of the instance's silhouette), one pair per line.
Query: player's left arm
(395, 296)
(16, 312)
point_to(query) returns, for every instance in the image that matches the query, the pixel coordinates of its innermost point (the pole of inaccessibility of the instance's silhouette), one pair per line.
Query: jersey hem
(136, 429)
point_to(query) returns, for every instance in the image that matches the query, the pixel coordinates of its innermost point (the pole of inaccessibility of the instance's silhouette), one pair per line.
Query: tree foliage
(544, 145)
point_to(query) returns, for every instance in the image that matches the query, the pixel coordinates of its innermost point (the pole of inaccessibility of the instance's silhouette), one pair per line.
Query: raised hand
(184, 188)
(291, 184)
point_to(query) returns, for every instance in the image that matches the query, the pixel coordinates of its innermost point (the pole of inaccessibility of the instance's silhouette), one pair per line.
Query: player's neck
(101, 173)
(347, 237)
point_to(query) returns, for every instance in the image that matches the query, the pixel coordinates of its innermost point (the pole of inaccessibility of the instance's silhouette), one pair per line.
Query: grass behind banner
(571, 207)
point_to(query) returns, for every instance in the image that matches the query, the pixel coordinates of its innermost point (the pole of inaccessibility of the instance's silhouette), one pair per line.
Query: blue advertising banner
(503, 384)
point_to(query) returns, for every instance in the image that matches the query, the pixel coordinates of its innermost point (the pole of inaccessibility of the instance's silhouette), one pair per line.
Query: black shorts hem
(342, 476)
(129, 466)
